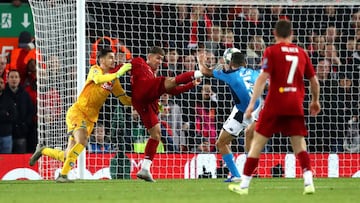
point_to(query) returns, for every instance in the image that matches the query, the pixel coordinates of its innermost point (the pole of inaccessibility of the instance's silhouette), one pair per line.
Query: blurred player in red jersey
(146, 90)
(285, 64)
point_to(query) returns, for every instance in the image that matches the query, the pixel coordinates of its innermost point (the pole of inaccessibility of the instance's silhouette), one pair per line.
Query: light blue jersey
(241, 83)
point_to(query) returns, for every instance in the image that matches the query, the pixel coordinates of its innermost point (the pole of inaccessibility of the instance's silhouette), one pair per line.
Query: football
(227, 54)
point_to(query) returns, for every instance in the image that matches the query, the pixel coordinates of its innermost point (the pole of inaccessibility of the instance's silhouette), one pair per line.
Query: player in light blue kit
(241, 81)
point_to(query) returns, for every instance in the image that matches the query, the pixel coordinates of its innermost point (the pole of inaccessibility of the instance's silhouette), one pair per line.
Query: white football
(227, 54)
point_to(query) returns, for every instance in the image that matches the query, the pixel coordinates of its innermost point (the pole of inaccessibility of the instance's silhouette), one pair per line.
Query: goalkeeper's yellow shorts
(75, 119)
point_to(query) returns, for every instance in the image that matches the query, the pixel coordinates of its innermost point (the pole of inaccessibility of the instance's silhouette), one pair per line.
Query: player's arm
(314, 86)
(120, 93)
(315, 91)
(258, 90)
(99, 78)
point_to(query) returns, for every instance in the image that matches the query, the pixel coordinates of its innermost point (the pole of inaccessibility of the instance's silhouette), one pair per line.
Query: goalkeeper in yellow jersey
(83, 114)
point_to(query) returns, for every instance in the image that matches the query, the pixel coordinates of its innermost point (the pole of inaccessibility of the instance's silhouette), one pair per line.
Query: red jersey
(287, 65)
(146, 89)
(140, 71)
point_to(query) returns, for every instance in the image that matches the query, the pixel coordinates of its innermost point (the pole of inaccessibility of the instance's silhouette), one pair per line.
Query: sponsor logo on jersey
(107, 86)
(287, 89)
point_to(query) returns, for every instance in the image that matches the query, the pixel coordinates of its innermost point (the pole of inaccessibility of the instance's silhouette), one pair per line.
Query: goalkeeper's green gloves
(123, 69)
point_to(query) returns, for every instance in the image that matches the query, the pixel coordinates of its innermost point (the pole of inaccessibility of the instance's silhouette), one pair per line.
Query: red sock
(184, 77)
(250, 165)
(304, 160)
(150, 148)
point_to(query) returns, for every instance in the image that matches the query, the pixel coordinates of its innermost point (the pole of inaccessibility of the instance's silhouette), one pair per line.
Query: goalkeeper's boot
(236, 188)
(63, 179)
(37, 154)
(309, 189)
(233, 179)
(145, 175)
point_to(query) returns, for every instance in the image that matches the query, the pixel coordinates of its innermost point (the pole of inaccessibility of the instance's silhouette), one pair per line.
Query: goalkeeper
(241, 81)
(83, 114)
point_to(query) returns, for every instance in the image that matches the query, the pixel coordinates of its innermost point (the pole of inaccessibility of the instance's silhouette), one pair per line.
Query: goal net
(329, 30)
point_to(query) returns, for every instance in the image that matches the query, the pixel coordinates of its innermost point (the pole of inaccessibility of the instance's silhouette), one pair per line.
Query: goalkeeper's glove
(123, 69)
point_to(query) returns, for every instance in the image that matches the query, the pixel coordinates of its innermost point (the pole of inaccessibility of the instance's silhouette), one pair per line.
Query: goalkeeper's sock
(304, 160)
(250, 165)
(54, 153)
(150, 148)
(71, 157)
(185, 77)
(228, 158)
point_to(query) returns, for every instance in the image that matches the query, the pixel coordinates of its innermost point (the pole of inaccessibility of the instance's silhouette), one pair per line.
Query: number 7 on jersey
(294, 63)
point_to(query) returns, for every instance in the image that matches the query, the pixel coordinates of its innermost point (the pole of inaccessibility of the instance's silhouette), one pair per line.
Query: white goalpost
(69, 32)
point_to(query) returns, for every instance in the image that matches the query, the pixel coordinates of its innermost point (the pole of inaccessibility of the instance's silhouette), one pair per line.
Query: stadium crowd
(191, 121)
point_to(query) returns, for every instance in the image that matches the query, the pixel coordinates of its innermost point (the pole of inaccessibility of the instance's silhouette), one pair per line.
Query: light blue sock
(228, 158)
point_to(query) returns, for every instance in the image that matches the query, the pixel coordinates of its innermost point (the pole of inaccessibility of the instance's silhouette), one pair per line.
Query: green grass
(174, 191)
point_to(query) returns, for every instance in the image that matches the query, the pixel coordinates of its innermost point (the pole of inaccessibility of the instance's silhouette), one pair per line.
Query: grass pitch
(269, 190)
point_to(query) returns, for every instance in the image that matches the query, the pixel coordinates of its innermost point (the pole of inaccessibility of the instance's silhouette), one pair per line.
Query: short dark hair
(13, 70)
(283, 28)
(238, 59)
(156, 50)
(103, 52)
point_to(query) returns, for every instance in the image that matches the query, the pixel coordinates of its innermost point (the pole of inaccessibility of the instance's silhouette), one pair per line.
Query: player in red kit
(285, 65)
(146, 90)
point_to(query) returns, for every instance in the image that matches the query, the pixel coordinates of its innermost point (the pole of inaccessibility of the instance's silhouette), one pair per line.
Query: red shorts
(269, 124)
(145, 100)
(148, 113)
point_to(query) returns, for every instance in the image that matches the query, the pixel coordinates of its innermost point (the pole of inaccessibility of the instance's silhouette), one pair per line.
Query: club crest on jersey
(107, 86)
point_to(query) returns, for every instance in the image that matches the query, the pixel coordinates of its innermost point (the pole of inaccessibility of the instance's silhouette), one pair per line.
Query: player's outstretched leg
(36, 155)
(50, 152)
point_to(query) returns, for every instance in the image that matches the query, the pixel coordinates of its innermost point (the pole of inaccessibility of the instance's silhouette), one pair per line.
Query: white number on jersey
(294, 63)
(248, 84)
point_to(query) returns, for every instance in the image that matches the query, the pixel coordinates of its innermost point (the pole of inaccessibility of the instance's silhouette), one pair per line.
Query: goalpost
(68, 33)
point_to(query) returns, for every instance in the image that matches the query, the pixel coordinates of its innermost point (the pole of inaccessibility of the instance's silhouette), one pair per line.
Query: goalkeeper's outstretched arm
(102, 78)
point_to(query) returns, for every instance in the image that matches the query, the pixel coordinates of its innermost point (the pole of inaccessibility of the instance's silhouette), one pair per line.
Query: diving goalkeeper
(83, 114)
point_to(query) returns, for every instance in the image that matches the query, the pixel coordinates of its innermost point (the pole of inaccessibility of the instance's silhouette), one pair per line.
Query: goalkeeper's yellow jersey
(93, 95)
